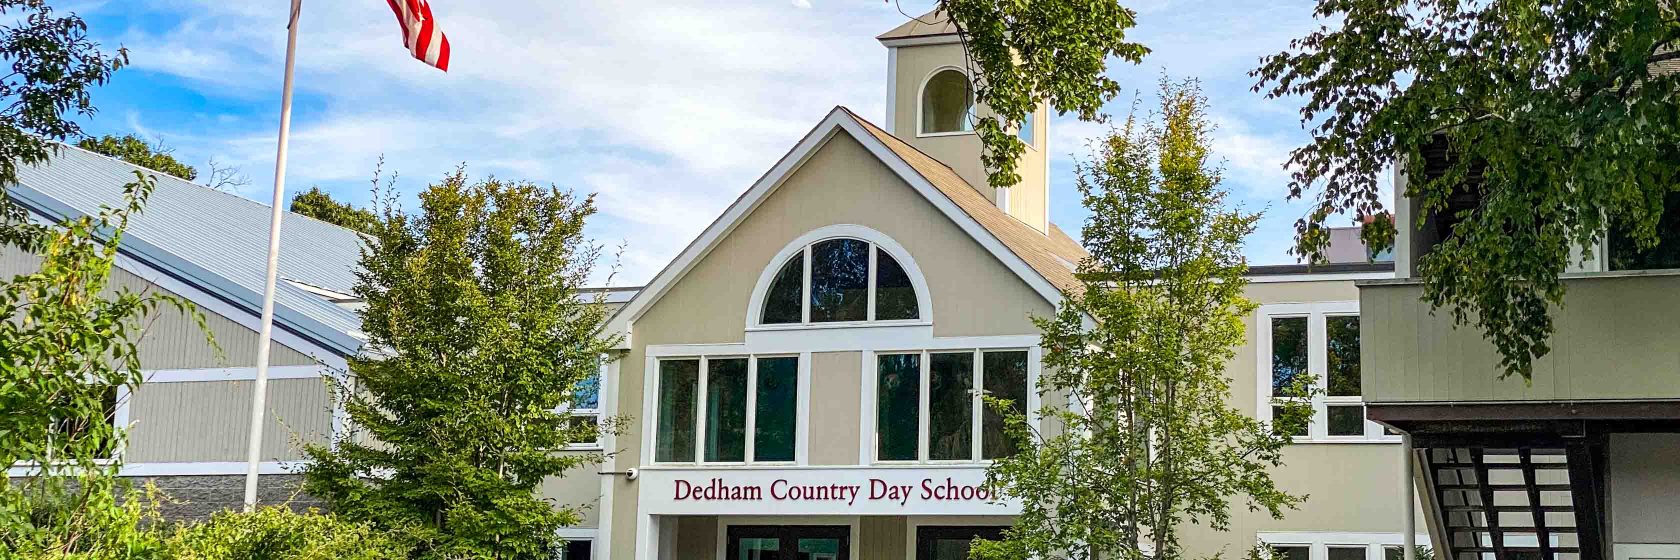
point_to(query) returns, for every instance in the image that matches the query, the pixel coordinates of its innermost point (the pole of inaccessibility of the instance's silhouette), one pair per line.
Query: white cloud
(803, 4)
(667, 110)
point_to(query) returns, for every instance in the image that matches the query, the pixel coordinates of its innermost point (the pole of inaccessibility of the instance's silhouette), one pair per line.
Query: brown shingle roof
(929, 24)
(1052, 256)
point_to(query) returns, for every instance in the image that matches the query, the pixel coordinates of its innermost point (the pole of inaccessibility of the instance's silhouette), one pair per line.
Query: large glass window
(726, 410)
(1319, 342)
(927, 406)
(898, 406)
(947, 103)
(840, 280)
(678, 385)
(950, 410)
(777, 409)
(750, 409)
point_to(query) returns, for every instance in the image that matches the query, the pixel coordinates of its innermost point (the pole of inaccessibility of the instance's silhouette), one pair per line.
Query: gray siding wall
(209, 421)
(171, 339)
(1615, 339)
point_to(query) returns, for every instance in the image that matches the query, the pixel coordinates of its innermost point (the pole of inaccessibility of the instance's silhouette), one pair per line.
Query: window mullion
(752, 408)
(1318, 367)
(922, 409)
(701, 402)
(976, 430)
(805, 291)
(869, 314)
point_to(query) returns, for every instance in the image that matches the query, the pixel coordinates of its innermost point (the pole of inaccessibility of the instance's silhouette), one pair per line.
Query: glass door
(951, 542)
(789, 542)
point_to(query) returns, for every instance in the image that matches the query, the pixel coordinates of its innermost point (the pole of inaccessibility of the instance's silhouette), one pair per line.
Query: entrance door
(789, 542)
(951, 542)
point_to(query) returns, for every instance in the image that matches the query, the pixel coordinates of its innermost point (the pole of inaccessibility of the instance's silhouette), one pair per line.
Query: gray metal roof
(215, 241)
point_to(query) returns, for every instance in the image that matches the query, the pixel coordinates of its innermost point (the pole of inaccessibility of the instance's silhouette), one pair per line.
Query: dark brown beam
(1488, 510)
(1588, 497)
(1541, 535)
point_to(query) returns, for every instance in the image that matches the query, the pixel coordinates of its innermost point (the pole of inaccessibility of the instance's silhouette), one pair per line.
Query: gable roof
(1047, 256)
(931, 24)
(1044, 263)
(214, 241)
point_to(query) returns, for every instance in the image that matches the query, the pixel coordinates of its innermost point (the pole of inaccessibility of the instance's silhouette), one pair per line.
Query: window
(1625, 253)
(1025, 131)
(584, 412)
(576, 549)
(840, 280)
(947, 103)
(927, 407)
(1337, 546)
(65, 430)
(749, 412)
(951, 542)
(1310, 353)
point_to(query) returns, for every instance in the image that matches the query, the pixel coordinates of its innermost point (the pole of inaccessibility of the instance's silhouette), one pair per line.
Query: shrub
(278, 533)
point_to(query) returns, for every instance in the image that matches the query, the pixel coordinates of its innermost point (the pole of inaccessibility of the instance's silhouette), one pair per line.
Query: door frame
(924, 550)
(789, 536)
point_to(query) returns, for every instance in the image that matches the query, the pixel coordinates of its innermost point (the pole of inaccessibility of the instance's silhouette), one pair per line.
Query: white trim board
(838, 120)
(234, 374)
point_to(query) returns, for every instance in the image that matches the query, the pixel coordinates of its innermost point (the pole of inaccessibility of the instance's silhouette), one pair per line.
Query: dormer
(930, 105)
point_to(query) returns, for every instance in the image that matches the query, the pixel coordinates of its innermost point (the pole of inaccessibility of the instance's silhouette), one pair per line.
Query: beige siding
(579, 488)
(881, 538)
(697, 536)
(1643, 484)
(836, 390)
(209, 421)
(171, 340)
(1614, 340)
(1351, 487)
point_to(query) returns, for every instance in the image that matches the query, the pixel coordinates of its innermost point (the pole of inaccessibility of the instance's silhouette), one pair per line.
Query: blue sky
(667, 110)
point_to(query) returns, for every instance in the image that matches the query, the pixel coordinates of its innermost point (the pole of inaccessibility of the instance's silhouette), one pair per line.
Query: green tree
(53, 67)
(317, 204)
(1150, 440)
(1562, 111)
(1025, 53)
(68, 342)
(473, 307)
(132, 149)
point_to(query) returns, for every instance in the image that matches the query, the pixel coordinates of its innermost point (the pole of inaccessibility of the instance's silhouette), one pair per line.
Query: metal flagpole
(266, 333)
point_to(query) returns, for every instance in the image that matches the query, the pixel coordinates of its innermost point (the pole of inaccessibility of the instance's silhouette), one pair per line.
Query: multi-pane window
(839, 280)
(66, 432)
(1625, 252)
(928, 405)
(1337, 546)
(1310, 354)
(727, 409)
(584, 412)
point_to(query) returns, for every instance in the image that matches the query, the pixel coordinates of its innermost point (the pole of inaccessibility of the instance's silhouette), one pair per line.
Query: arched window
(947, 103)
(840, 279)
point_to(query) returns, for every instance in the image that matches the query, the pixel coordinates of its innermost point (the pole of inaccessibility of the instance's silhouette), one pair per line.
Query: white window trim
(569, 534)
(600, 395)
(802, 244)
(801, 407)
(868, 452)
(921, 90)
(1317, 366)
(1319, 543)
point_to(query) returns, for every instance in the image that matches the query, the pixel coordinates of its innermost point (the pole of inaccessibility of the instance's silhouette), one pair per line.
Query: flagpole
(259, 393)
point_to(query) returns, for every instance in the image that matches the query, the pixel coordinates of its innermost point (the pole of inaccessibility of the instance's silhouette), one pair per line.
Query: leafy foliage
(1148, 441)
(69, 344)
(1564, 117)
(278, 533)
(317, 204)
(53, 67)
(1026, 53)
(473, 307)
(133, 149)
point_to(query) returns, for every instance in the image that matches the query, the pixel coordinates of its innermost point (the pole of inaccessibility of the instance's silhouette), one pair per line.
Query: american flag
(423, 39)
